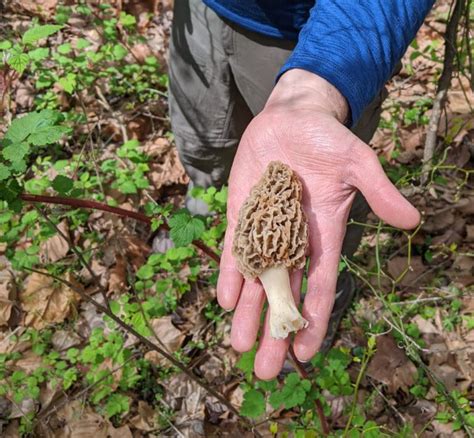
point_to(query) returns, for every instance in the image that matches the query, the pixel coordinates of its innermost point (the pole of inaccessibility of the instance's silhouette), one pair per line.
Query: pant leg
(208, 114)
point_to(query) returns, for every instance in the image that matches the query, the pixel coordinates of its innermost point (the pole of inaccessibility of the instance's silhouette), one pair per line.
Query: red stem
(83, 203)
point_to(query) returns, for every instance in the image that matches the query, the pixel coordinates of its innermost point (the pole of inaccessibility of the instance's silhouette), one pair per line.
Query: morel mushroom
(270, 239)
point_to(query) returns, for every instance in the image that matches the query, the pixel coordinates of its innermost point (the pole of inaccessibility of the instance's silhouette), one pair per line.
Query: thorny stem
(82, 203)
(149, 344)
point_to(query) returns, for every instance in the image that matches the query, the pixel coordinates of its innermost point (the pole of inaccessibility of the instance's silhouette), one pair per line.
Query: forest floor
(403, 362)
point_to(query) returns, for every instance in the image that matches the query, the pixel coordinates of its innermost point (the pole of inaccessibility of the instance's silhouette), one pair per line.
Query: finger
(383, 197)
(271, 353)
(246, 319)
(230, 279)
(322, 279)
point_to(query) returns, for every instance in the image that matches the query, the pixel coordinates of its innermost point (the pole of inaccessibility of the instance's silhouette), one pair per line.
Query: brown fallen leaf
(78, 421)
(169, 336)
(145, 419)
(6, 297)
(118, 276)
(397, 265)
(56, 247)
(165, 169)
(46, 302)
(43, 8)
(28, 362)
(391, 366)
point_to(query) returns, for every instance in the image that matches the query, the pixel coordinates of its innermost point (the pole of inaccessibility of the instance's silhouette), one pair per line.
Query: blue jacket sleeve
(356, 44)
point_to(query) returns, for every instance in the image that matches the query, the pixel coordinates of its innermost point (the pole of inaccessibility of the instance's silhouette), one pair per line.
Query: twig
(78, 253)
(442, 90)
(82, 203)
(149, 344)
(304, 375)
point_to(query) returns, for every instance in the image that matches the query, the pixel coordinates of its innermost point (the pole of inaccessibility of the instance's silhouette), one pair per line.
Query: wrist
(301, 89)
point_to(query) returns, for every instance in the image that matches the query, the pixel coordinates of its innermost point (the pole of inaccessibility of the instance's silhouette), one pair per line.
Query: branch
(442, 89)
(94, 205)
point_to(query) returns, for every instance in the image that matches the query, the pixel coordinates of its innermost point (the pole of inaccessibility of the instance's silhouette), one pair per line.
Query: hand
(302, 126)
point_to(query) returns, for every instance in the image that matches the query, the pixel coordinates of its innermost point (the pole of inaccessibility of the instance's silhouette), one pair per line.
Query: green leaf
(38, 32)
(15, 151)
(38, 54)
(4, 172)
(18, 62)
(47, 135)
(127, 19)
(64, 49)
(82, 43)
(127, 187)
(68, 83)
(145, 272)
(292, 394)
(246, 362)
(119, 52)
(5, 45)
(114, 307)
(62, 184)
(253, 405)
(22, 127)
(185, 228)
(117, 404)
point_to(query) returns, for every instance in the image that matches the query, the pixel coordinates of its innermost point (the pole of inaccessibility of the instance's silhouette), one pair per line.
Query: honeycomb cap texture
(272, 229)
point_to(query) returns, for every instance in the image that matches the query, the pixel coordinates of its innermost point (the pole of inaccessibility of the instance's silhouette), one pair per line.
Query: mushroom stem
(284, 315)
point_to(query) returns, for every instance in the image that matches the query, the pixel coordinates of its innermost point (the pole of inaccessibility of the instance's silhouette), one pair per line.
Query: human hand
(302, 126)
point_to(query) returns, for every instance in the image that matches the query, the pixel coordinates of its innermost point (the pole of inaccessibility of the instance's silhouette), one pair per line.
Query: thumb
(383, 197)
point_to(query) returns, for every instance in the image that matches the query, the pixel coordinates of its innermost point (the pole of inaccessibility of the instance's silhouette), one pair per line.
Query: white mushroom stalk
(284, 315)
(271, 238)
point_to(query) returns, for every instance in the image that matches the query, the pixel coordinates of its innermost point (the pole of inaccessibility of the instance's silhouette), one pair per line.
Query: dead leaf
(48, 393)
(25, 407)
(470, 233)
(169, 336)
(165, 169)
(139, 128)
(7, 288)
(118, 276)
(28, 362)
(425, 326)
(445, 430)
(113, 369)
(43, 8)
(62, 340)
(391, 366)
(56, 247)
(185, 395)
(397, 265)
(439, 222)
(446, 374)
(12, 430)
(77, 421)
(25, 94)
(46, 302)
(121, 432)
(145, 419)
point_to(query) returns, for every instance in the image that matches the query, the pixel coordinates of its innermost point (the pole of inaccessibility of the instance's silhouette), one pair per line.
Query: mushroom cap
(272, 229)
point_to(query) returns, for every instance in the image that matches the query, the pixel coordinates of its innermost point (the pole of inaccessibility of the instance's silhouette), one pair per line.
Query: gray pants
(220, 76)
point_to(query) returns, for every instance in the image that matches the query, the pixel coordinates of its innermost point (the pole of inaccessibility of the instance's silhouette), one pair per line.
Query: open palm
(332, 164)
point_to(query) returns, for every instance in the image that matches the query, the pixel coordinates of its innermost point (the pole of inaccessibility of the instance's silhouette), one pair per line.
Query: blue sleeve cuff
(356, 44)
